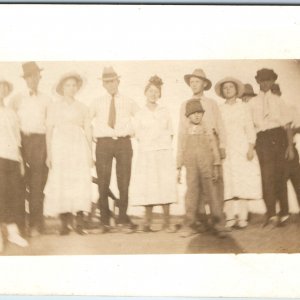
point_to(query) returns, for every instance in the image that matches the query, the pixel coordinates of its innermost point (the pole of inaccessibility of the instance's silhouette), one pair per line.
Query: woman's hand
(250, 153)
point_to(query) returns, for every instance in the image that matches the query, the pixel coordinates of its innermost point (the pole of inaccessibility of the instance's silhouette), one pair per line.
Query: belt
(32, 134)
(114, 138)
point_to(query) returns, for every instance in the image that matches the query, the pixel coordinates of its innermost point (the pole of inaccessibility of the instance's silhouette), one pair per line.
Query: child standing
(11, 200)
(155, 183)
(200, 156)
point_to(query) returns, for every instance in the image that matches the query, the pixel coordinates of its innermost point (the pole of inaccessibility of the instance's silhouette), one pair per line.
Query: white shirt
(31, 110)
(153, 129)
(10, 140)
(269, 111)
(125, 110)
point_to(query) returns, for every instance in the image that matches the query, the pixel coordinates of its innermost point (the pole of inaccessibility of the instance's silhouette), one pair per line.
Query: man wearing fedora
(274, 144)
(199, 83)
(31, 109)
(248, 93)
(113, 129)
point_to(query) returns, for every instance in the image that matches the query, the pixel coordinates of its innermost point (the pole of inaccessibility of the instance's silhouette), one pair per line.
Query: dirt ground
(254, 239)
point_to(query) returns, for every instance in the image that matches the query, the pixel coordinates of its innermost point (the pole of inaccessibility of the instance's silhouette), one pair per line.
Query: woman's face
(3, 90)
(229, 90)
(152, 94)
(266, 85)
(70, 87)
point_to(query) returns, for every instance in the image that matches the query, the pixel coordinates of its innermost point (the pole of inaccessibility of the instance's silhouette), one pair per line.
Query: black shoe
(80, 230)
(65, 231)
(127, 228)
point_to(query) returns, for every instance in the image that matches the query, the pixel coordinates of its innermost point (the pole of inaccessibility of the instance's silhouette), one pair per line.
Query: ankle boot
(64, 230)
(80, 223)
(13, 235)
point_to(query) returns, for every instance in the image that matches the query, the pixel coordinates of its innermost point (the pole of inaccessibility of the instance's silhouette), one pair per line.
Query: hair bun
(155, 80)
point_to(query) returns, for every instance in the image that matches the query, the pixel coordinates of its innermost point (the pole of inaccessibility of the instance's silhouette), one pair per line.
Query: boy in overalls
(200, 156)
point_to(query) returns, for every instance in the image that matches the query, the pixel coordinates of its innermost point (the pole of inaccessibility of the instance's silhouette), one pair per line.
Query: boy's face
(197, 85)
(196, 117)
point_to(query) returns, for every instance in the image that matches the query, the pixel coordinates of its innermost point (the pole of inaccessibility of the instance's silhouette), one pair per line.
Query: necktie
(112, 113)
(266, 108)
(32, 93)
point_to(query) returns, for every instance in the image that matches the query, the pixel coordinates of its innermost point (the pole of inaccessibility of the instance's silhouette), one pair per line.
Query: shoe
(80, 230)
(230, 224)
(272, 222)
(14, 236)
(147, 228)
(186, 232)
(65, 231)
(33, 233)
(221, 231)
(170, 229)
(127, 228)
(284, 220)
(241, 224)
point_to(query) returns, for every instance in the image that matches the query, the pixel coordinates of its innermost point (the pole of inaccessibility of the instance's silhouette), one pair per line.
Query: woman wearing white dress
(154, 179)
(242, 178)
(69, 150)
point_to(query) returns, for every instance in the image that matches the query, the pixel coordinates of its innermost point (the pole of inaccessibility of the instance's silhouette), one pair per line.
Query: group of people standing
(46, 154)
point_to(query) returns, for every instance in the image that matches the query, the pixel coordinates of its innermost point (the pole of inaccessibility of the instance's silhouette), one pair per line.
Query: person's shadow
(208, 243)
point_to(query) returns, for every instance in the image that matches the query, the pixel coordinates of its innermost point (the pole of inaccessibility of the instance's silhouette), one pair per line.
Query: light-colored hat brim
(81, 81)
(239, 84)
(10, 86)
(109, 78)
(187, 78)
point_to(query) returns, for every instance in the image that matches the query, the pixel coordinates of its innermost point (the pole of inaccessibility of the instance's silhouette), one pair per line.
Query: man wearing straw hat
(31, 109)
(198, 83)
(113, 129)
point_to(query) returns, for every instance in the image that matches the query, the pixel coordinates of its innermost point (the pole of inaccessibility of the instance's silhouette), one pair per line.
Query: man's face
(111, 86)
(33, 80)
(197, 85)
(196, 117)
(266, 85)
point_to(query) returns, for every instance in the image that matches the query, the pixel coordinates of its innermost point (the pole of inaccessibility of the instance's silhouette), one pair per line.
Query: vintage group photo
(149, 157)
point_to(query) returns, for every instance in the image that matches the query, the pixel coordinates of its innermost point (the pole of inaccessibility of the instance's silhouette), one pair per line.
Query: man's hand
(290, 153)
(179, 175)
(216, 173)
(222, 153)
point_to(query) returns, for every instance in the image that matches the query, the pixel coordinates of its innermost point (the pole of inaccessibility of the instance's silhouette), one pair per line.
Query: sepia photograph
(150, 150)
(150, 157)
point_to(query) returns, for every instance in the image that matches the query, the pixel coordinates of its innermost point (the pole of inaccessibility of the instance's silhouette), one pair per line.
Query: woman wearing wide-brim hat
(241, 169)
(69, 143)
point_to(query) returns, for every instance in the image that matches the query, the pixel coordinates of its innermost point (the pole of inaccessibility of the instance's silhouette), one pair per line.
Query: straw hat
(59, 86)
(109, 74)
(10, 86)
(30, 68)
(199, 73)
(239, 85)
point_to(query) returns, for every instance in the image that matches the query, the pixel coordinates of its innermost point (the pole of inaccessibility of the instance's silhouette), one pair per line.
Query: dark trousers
(292, 172)
(12, 202)
(34, 153)
(271, 146)
(106, 150)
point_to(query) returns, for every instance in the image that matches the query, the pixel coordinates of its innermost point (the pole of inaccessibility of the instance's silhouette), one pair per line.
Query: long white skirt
(154, 178)
(68, 188)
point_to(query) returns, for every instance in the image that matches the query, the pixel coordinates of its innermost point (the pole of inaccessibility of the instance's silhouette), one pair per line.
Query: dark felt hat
(265, 74)
(193, 106)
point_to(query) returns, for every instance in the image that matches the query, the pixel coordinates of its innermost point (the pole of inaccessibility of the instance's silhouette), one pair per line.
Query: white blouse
(153, 129)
